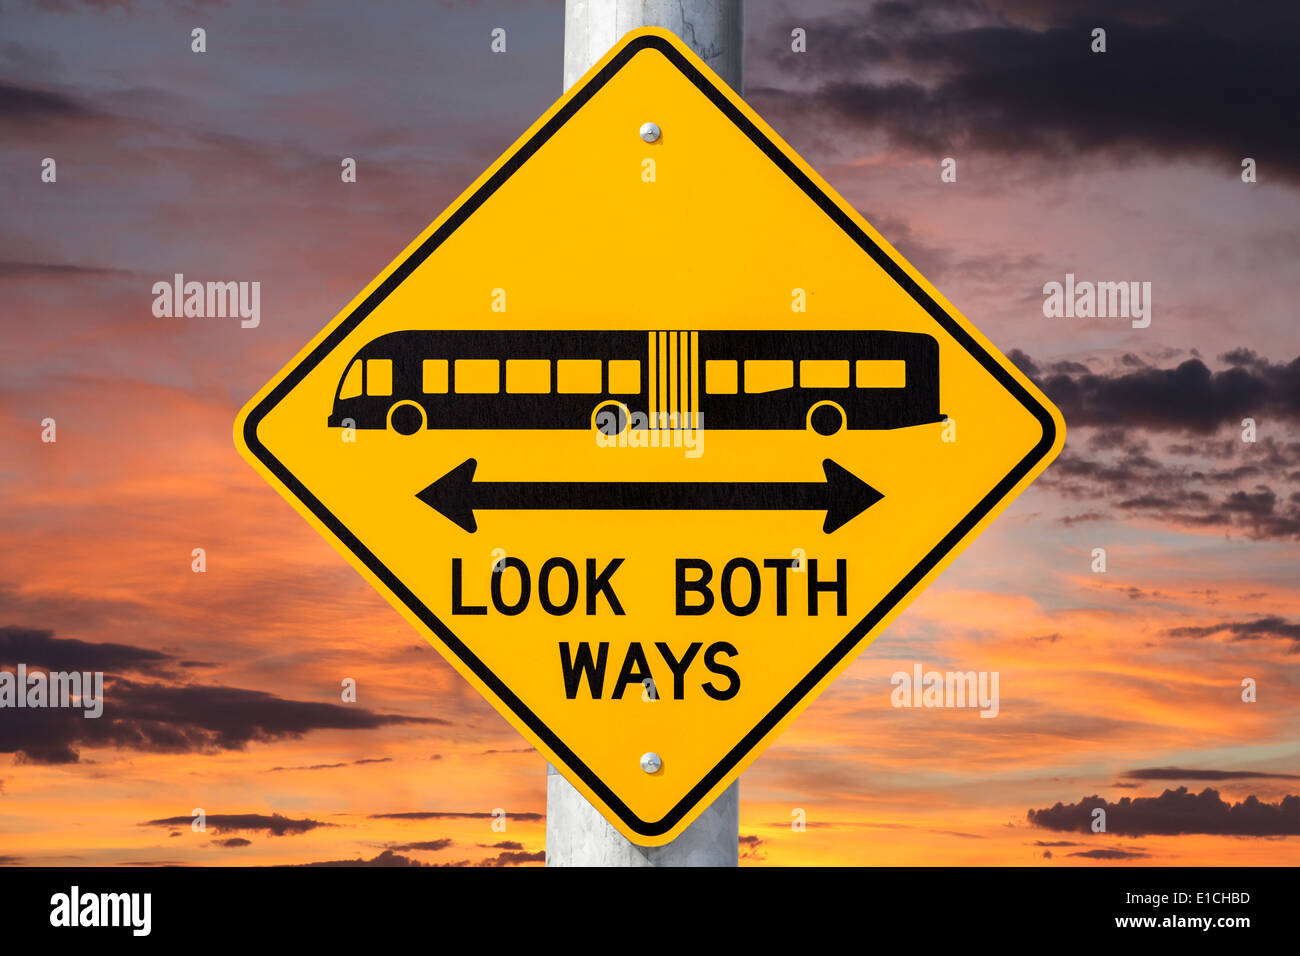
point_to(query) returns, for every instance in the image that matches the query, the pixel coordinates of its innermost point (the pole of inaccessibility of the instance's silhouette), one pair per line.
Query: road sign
(649, 435)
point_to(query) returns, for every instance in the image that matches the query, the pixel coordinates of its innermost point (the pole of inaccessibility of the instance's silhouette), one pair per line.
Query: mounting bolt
(650, 132)
(651, 762)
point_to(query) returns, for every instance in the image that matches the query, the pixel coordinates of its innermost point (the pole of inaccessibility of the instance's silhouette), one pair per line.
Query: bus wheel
(826, 418)
(406, 418)
(609, 418)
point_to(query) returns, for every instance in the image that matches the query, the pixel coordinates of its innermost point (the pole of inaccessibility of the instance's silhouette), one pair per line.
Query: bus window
(528, 376)
(379, 376)
(624, 376)
(478, 376)
(435, 376)
(824, 373)
(881, 373)
(720, 376)
(577, 376)
(351, 387)
(768, 375)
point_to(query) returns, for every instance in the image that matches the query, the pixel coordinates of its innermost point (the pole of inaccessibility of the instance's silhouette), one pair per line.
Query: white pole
(576, 833)
(713, 29)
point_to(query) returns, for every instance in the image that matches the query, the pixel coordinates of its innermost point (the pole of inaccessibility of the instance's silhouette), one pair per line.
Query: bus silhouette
(821, 380)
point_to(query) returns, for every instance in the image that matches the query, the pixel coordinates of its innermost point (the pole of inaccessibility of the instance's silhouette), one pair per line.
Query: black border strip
(453, 643)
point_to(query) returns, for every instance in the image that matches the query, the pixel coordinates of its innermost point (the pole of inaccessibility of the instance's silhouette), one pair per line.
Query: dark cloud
(165, 718)
(429, 846)
(1183, 773)
(1212, 478)
(29, 106)
(157, 716)
(386, 858)
(503, 845)
(514, 858)
(333, 766)
(1177, 494)
(1274, 628)
(1177, 812)
(233, 842)
(314, 766)
(391, 858)
(751, 847)
(1110, 854)
(54, 272)
(273, 824)
(1179, 80)
(37, 647)
(1188, 397)
(1071, 520)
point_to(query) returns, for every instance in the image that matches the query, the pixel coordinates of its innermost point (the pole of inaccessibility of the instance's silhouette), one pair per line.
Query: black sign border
(840, 650)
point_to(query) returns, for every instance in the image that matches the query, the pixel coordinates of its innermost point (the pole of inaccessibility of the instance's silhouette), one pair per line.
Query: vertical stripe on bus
(686, 378)
(652, 380)
(662, 372)
(683, 377)
(695, 380)
(672, 379)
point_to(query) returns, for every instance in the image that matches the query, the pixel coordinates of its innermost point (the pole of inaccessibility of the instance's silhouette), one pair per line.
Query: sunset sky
(223, 687)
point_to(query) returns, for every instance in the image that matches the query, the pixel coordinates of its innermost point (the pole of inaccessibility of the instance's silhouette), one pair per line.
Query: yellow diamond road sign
(649, 436)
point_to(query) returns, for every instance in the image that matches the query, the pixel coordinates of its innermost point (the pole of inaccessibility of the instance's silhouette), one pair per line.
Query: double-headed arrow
(456, 496)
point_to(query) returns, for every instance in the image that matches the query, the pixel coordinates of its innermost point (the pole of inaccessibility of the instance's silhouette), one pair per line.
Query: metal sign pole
(713, 29)
(576, 833)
